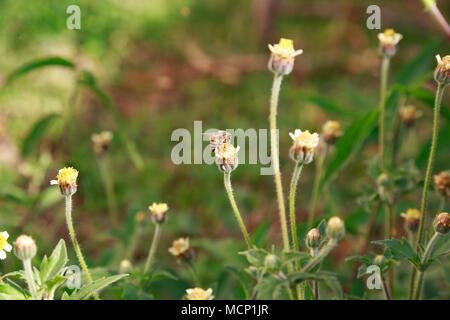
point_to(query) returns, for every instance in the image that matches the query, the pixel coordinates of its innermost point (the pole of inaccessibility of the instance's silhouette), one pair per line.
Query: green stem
(320, 256)
(275, 158)
(385, 289)
(109, 190)
(153, 247)
(75, 242)
(227, 182)
(194, 273)
(316, 187)
(29, 277)
(383, 86)
(426, 185)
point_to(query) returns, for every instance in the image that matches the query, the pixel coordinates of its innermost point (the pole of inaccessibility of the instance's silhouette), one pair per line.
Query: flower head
(408, 115)
(442, 72)
(331, 131)
(101, 142)
(199, 294)
(67, 180)
(442, 223)
(4, 245)
(313, 238)
(388, 42)
(442, 183)
(335, 228)
(218, 138)
(282, 58)
(412, 219)
(181, 249)
(227, 157)
(25, 247)
(125, 266)
(305, 143)
(159, 211)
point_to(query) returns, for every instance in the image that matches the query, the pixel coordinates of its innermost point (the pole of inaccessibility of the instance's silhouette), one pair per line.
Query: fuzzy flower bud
(335, 228)
(282, 58)
(442, 183)
(125, 266)
(158, 211)
(199, 294)
(442, 223)
(380, 260)
(101, 142)
(412, 219)
(181, 249)
(313, 238)
(227, 157)
(388, 42)
(25, 247)
(442, 72)
(272, 262)
(67, 181)
(304, 145)
(331, 131)
(408, 115)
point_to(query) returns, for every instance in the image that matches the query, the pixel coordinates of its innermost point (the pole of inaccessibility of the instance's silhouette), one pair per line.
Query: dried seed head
(282, 58)
(380, 260)
(313, 238)
(218, 138)
(304, 145)
(181, 249)
(66, 180)
(412, 219)
(408, 115)
(442, 223)
(25, 247)
(335, 228)
(388, 42)
(199, 294)
(158, 211)
(101, 142)
(227, 157)
(442, 183)
(4, 245)
(442, 72)
(331, 131)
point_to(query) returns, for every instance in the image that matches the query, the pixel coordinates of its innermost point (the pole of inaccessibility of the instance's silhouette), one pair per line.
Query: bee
(218, 138)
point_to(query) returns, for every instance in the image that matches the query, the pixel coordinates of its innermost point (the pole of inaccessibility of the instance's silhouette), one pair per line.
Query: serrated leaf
(36, 134)
(90, 288)
(400, 249)
(255, 256)
(52, 266)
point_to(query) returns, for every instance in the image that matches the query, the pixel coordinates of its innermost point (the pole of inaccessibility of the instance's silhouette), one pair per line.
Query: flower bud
(385, 187)
(125, 266)
(442, 223)
(67, 181)
(335, 228)
(442, 183)
(408, 115)
(313, 238)
(412, 219)
(282, 58)
(331, 131)
(442, 72)
(388, 42)
(304, 145)
(227, 157)
(181, 249)
(272, 262)
(159, 212)
(199, 294)
(380, 260)
(101, 142)
(25, 247)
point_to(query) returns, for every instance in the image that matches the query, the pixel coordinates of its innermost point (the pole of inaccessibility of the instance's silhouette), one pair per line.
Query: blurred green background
(165, 64)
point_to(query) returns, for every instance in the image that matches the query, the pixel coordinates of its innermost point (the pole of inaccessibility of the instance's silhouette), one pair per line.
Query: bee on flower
(101, 142)
(282, 58)
(218, 138)
(442, 72)
(66, 180)
(412, 219)
(304, 145)
(4, 245)
(199, 294)
(227, 157)
(158, 211)
(388, 42)
(331, 131)
(181, 249)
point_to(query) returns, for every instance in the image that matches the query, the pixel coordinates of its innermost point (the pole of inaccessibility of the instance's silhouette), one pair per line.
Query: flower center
(3, 242)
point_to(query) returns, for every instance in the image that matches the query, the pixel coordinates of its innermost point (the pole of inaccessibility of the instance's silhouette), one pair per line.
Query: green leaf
(259, 237)
(350, 143)
(255, 256)
(88, 79)
(8, 292)
(328, 105)
(290, 256)
(269, 287)
(329, 278)
(36, 64)
(53, 266)
(37, 133)
(359, 258)
(441, 247)
(242, 280)
(90, 288)
(400, 250)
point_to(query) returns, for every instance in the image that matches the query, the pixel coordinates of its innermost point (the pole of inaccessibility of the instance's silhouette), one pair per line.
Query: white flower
(305, 143)
(4, 245)
(199, 294)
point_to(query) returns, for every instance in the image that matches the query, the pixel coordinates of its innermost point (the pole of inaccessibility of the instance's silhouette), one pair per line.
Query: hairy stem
(385, 289)
(227, 182)
(109, 190)
(75, 242)
(275, 157)
(316, 187)
(152, 251)
(29, 277)
(326, 249)
(432, 7)
(383, 86)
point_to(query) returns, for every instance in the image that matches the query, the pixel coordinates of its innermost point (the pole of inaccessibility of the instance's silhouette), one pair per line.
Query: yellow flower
(227, 157)
(412, 219)
(4, 245)
(442, 73)
(180, 248)
(101, 142)
(158, 211)
(305, 143)
(67, 180)
(388, 42)
(331, 131)
(282, 58)
(199, 294)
